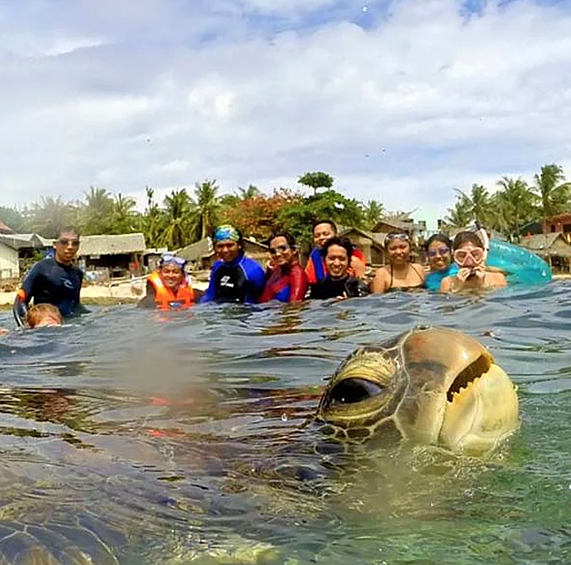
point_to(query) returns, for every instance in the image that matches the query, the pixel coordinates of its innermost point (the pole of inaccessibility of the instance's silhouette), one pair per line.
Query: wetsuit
(50, 282)
(240, 280)
(434, 278)
(316, 270)
(332, 288)
(286, 284)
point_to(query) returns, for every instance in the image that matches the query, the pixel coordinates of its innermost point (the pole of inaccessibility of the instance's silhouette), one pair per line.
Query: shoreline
(125, 293)
(101, 295)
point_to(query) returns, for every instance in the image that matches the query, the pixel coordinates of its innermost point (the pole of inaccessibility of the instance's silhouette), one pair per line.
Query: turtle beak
(481, 409)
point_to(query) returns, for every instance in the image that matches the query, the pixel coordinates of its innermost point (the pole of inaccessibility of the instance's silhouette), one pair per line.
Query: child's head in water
(43, 315)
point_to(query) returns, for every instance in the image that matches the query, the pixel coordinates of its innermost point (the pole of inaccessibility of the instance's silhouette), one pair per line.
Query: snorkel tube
(521, 266)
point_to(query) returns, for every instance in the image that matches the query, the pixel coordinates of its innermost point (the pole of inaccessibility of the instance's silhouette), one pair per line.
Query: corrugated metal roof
(111, 244)
(25, 240)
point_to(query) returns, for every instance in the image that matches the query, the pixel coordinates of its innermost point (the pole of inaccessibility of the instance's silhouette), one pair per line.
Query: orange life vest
(166, 299)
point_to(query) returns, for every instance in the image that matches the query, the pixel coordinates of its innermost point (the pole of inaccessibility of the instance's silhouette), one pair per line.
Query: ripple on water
(191, 420)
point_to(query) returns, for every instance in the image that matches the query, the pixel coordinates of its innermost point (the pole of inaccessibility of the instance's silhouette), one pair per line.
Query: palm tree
(124, 218)
(51, 214)
(553, 193)
(207, 207)
(96, 213)
(460, 215)
(374, 211)
(247, 193)
(179, 212)
(478, 202)
(515, 204)
(153, 220)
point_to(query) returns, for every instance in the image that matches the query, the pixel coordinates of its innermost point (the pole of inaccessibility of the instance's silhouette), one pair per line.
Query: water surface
(176, 438)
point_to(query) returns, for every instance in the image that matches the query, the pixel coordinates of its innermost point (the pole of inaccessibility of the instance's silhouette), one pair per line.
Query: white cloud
(425, 99)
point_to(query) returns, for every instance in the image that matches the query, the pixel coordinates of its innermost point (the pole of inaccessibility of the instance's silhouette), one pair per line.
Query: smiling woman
(287, 281)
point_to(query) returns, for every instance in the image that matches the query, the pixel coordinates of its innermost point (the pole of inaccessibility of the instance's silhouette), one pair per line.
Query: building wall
(9, 264)
(561, 224)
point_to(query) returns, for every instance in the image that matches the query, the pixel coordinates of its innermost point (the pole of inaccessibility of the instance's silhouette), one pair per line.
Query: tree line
(515, 204)
(188, 215)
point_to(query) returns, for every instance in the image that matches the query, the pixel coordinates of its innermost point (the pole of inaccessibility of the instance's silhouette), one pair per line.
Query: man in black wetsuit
(53, 280)
(338, 284)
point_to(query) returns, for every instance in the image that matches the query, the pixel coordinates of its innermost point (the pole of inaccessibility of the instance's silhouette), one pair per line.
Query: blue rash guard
(50, 282)
(434, 278)
(240, 280)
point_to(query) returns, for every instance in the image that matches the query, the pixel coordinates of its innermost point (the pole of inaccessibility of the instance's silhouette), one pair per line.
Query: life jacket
(166, 299)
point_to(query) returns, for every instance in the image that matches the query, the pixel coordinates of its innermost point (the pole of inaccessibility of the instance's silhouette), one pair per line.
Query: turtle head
(432, 386)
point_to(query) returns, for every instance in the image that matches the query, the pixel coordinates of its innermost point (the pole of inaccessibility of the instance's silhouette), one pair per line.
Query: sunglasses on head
(278, 249)
(392, 236)
(461, 255)
(440, 251)
(65, 242)
(173, 260)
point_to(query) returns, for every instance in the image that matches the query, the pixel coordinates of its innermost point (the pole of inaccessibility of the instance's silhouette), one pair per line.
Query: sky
(400, 101)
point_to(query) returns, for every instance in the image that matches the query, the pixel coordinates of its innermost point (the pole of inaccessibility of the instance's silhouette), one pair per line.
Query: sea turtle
(431, 386)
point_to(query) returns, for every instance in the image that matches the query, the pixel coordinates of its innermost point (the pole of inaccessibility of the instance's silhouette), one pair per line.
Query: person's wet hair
(39, 312)
(67, 229)
(328, 222)
(287, 236)
(441, 237)
(467, 237)
(345, 243)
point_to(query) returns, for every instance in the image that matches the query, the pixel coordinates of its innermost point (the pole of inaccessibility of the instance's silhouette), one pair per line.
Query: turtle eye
(354, 390)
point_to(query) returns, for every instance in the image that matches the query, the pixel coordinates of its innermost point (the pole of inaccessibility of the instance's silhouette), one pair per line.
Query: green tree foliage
(553, 192)
(96, 214)
(124, 217)
(259, 216)
(300, 216)
(51, 214)
(206, 208)
(316, 180)
(179, 220)
(460, 215)
(515, 205)
(373, 213)
(153, 220)
(13, 218)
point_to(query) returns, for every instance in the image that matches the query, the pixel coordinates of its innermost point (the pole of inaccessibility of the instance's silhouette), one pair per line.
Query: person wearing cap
(234, 277)
(400, 273)
(169, 287)
(54, 280)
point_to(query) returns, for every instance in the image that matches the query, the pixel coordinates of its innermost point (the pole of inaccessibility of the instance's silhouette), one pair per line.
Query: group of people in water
(335, 270)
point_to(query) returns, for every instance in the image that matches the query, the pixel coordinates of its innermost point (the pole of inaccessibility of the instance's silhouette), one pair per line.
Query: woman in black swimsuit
(400, 273)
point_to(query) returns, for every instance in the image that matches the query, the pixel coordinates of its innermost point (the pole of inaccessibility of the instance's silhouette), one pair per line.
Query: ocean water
(138, 437)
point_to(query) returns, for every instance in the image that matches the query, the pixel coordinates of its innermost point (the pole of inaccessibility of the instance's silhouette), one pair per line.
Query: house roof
(376, 238)
(25, 241)
(197, 250)
(5, 229)
(544, 244)
(203, 248)
(112, 244)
